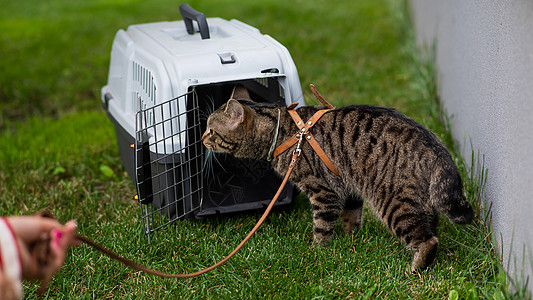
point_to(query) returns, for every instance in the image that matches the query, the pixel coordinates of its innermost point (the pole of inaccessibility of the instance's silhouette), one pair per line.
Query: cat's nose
(204, 140)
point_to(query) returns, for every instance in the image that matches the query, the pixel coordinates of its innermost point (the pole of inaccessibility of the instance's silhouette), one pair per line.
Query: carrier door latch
(227, 58)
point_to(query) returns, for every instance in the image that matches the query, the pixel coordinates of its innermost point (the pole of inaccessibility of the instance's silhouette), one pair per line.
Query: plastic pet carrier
(164, 80)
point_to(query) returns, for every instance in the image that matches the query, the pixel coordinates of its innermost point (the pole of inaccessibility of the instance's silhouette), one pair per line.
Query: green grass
(54, 140)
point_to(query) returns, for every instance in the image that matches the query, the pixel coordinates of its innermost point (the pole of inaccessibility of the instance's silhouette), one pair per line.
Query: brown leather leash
(41, 250)
(139, 267)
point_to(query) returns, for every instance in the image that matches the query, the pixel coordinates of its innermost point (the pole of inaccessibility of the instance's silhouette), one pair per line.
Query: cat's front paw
(321, 239)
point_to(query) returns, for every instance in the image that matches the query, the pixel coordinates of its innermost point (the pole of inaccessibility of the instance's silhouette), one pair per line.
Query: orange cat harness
(305, 134)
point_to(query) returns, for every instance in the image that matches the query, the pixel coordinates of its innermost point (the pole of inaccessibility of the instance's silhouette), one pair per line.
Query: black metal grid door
(168, 161)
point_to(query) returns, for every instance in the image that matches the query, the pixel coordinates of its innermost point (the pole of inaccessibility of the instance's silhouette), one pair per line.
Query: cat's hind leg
(407, 219)
(418, 234)
(425, 253)
(352, 214)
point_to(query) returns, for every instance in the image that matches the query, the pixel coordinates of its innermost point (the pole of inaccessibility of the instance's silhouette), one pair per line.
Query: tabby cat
(400, 168)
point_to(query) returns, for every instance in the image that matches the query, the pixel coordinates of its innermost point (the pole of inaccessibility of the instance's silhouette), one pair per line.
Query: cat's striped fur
(399, 167)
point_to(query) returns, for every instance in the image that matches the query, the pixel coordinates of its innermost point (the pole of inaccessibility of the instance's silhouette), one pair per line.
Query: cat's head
(230, 126)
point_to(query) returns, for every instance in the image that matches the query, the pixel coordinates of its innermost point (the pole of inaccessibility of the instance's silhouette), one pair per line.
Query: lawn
(55, 140)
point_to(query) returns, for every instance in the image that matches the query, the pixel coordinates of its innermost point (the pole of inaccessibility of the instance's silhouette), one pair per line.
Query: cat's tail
(446, 193)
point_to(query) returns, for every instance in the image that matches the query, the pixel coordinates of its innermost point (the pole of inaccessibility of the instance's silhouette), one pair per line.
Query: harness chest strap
(304, 130)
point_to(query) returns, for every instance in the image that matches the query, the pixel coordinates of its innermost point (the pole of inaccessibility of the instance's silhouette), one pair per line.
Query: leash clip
(300, 136)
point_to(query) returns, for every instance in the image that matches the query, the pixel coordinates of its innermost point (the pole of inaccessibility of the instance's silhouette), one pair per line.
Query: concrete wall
(484, 56)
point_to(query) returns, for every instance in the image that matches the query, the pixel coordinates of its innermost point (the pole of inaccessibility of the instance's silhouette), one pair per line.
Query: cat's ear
(240, 93)
(235, 111)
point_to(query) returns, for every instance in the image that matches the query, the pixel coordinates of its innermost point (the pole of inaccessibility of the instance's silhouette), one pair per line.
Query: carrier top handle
(189, 14)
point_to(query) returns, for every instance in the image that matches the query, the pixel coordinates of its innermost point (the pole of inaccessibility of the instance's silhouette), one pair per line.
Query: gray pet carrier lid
(234, 51)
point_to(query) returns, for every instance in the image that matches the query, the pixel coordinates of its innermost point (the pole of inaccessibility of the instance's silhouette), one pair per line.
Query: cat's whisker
(204, 115)
(208, 164)
(211, 108)
(207, 109)
(208, 167)
(217, 161)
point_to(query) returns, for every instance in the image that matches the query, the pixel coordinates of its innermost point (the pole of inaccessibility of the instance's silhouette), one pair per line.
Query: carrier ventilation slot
(262, 81)
(144, 94)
